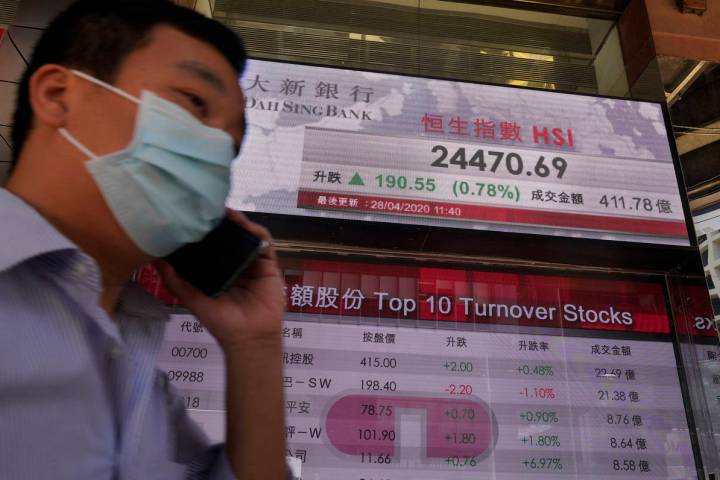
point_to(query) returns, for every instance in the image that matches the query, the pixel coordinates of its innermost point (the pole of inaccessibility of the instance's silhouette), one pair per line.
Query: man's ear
(49, 95)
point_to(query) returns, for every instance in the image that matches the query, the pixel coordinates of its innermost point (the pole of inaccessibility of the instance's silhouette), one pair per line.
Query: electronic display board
(355, 145)
(698, 334)
(407, 373)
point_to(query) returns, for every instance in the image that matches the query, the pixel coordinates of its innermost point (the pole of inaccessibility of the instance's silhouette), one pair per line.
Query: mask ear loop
(75, 143)
(107, 86)
(118, 91)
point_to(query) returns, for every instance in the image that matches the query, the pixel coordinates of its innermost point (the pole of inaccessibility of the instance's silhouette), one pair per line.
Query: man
(127, 120)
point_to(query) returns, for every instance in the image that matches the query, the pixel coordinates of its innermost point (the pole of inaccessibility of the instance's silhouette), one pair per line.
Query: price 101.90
(492, 161)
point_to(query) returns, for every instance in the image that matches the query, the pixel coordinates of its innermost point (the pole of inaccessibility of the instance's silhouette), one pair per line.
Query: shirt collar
(25, 233)
(136, 302)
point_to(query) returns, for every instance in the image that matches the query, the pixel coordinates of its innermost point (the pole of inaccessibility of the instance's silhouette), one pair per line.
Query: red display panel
(369, 290)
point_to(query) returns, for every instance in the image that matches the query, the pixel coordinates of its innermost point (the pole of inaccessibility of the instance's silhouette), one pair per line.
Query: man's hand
(251, 310)
(246, 321)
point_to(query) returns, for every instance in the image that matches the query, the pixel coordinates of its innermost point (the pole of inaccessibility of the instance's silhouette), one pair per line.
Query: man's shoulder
(25, 233)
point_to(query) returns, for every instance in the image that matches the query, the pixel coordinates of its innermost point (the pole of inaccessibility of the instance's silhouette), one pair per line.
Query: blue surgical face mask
(168, 186)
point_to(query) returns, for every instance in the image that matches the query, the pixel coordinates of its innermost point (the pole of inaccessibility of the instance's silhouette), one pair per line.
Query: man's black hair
(96, 36)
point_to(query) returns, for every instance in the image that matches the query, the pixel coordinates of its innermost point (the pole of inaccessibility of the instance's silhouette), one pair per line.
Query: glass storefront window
(439, 39)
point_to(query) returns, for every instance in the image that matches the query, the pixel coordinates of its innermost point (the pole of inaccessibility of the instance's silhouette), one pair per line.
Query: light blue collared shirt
(80, 397)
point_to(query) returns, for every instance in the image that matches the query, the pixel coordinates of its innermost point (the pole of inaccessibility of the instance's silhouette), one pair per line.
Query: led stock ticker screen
(404, 373)
(356, 145)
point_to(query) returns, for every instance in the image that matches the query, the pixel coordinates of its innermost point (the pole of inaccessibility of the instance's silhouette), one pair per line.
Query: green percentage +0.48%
(536, 370)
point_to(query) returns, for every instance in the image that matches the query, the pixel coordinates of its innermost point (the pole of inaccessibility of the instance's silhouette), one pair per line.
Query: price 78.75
(511, 162)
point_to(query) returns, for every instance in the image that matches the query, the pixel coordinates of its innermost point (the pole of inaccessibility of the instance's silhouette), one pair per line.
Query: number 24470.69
(511, 162)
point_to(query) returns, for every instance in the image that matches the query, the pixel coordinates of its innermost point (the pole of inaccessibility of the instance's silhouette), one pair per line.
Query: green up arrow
(357, 180)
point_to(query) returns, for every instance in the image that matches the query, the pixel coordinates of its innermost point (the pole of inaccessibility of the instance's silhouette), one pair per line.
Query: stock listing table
(433, 400)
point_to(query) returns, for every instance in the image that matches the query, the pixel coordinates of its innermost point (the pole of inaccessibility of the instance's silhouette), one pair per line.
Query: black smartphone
(212, 264)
